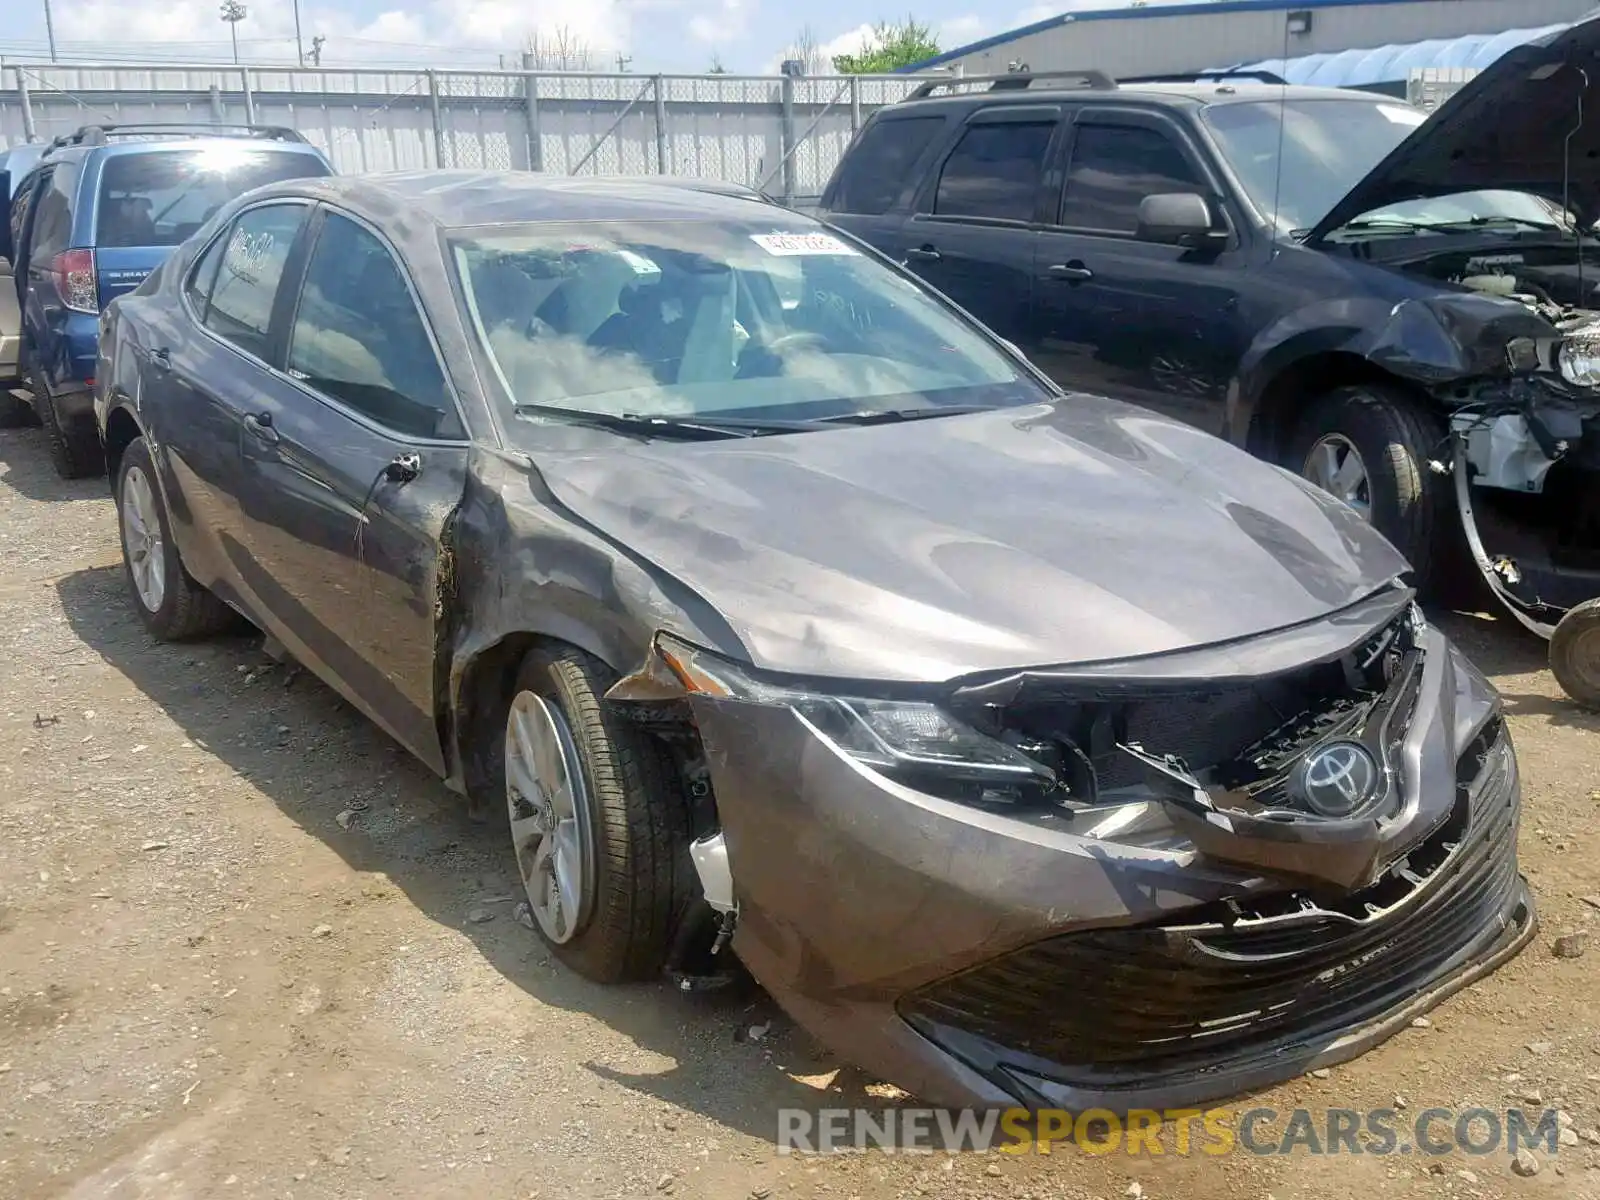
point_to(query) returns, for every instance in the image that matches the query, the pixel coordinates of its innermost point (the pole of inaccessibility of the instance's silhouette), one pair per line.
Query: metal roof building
(1395, 64)
(1158, 38)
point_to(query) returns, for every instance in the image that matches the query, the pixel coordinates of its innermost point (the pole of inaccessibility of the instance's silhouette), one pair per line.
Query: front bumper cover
(962, 954)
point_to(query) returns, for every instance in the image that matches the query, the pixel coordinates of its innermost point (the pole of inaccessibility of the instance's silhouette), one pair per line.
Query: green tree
(891, 45)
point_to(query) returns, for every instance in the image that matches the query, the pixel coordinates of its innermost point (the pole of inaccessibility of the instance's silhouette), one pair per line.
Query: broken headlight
(912, 741)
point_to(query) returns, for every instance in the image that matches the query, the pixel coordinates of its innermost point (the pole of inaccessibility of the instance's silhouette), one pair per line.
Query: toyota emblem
(1337, 779)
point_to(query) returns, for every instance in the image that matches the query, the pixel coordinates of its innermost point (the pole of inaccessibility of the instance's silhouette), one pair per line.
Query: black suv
(1183, 244)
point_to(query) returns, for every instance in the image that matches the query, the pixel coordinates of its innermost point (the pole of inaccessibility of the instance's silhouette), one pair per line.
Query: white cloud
(415, 31)
(958, 31)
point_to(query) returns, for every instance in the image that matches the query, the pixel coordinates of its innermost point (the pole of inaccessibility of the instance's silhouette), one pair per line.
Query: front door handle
(1072, 272)
(161, 357)
(261, 428)
(926, 254)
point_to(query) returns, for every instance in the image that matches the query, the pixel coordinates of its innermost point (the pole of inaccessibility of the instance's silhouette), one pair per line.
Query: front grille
(1233, 983)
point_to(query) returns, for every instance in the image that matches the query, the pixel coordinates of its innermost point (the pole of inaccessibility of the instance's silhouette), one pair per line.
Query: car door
(47, 231)
(204, 361)
(1154, 323)
(975, 223)
(352, 463)
(867, 194)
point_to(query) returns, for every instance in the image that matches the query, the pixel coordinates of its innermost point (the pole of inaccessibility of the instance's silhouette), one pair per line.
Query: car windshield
(1327, 146)
(776, 320)
(160, 197)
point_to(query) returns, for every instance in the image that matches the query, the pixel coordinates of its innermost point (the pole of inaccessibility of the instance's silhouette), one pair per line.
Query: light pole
(50, 30)
(299, 49)
(233, 12)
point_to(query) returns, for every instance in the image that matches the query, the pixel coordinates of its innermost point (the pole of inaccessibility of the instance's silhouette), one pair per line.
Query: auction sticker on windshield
(788, 245)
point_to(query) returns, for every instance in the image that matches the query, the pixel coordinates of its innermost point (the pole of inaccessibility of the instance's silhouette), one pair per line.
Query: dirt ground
(248, 948)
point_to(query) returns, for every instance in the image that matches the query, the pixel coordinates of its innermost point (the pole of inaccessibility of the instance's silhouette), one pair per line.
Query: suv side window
(52, 216)
(359, 339)
(254, 254)
(1114, 167)
(994, 171)
(878, 166)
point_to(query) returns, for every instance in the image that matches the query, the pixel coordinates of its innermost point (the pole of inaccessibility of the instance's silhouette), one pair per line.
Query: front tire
(171, 604)
(1369, 445)
(598, 819)
(1575, 653)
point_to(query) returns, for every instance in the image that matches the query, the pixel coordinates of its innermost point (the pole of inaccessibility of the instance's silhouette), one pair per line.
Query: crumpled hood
(1070, 532)
(1507, 128)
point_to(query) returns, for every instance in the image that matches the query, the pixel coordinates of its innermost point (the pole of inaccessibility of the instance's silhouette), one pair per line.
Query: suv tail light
(75, 280)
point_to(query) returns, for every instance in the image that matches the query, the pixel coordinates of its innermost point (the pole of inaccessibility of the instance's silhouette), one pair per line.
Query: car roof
(1190, 93)
(457, 199)
(162, 145)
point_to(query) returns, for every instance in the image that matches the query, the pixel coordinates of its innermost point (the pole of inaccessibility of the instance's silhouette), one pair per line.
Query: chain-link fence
(779, 133)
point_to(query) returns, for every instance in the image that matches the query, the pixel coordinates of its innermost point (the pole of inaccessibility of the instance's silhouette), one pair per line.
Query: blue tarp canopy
(1394, 63)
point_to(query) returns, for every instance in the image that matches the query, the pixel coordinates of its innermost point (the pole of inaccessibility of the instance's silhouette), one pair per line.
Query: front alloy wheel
(548, 807)
(1335, 465)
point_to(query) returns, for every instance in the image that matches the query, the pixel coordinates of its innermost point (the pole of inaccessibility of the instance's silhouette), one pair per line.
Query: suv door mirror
(1178, 219)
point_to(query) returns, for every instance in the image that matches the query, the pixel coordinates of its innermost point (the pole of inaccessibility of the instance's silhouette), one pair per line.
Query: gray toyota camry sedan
(1029, 748)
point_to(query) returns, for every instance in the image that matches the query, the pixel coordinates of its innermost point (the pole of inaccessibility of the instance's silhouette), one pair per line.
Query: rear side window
(253, 258)
(160, 197)
(359, 338)
(198, 289)
(1114, 167)
(994, 171)
(876, 169)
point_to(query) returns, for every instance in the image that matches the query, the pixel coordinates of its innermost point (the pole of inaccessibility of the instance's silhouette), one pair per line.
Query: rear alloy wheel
(1575, 653)
(75, 448)
(598, 820)
(1369, 445)
(171, 604)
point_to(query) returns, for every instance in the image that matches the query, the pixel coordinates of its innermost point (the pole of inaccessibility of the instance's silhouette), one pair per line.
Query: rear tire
(634, 818)
(1575, 653)
(1394, 436)
(75, 450)
(169, 601)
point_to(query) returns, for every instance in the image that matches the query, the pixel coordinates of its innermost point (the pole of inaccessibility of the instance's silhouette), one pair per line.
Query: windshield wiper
(888, 416)
(687, 429)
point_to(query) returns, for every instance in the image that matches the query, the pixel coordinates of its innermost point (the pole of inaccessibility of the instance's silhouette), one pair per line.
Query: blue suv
(102, 209)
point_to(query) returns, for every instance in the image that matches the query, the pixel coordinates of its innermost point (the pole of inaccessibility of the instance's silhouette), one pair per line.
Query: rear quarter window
(878, 167)
(161, 197)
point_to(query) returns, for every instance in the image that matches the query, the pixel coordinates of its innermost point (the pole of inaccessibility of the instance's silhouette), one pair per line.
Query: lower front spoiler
(1035, 1089)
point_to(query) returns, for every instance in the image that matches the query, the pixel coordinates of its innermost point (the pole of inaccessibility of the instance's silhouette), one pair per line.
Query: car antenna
(1283, 115)
(1566, 175)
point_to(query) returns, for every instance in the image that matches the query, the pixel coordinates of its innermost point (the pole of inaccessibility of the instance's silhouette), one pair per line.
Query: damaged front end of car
(1147, 882)
(1524, 454)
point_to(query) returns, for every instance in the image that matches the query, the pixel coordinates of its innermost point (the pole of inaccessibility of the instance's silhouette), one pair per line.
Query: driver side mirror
(1179, 219)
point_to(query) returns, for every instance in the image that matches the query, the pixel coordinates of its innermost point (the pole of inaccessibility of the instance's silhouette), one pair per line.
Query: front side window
(254, 253)
(359, 339)
(994, 171)
(1114, 167)
(160, 197)
(695, 318)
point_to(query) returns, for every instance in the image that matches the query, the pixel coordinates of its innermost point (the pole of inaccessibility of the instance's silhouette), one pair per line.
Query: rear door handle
(1072, 272)
(923, 254)
(260, 427)
(161, 358)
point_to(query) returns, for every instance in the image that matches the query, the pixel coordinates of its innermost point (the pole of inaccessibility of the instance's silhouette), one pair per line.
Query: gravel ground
(249, 948)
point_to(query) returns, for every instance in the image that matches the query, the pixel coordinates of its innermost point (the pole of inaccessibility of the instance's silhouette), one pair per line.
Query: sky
(650, 35)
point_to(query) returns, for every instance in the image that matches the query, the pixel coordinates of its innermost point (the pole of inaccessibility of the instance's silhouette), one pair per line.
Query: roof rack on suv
(1207, 77)
(1017, 80)
(99, 135)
